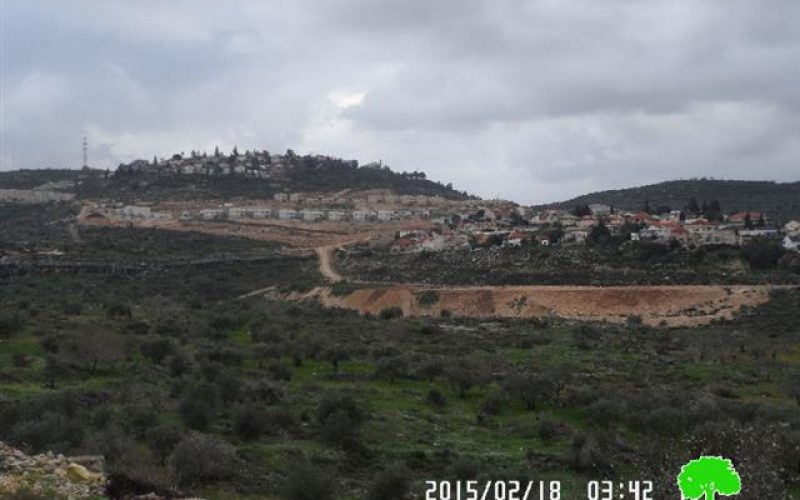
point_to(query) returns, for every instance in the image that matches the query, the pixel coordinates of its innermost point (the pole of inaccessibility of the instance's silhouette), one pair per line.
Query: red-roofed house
(678, 232)
(739, 217)
(516, 238)
(699, 227)
(643, 217)
(404, 245)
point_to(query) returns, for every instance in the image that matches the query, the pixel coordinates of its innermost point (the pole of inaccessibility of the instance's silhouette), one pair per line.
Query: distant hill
(781, 201)
(34, 178)
(256, 174)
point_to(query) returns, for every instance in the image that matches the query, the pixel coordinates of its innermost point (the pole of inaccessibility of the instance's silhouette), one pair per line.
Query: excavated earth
(670, 305)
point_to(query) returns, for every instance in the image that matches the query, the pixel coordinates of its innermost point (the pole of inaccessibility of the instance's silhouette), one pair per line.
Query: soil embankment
(671, 305)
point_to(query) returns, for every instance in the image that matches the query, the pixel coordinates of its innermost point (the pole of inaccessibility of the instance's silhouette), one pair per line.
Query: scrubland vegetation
(617, 262)
(185, 386)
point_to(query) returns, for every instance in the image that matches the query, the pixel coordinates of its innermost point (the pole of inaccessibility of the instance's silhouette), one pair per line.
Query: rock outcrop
(50, 475)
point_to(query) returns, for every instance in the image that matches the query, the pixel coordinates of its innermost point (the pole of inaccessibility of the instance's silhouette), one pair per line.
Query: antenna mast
(85, 153)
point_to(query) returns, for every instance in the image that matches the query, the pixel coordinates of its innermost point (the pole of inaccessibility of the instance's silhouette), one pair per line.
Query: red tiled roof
(740, 216)
(404, 243)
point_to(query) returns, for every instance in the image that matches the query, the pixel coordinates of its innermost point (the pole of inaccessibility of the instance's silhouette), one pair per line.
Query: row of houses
(306, 214)
(128, 212)
(429, 241)
(497, 226)
(360, 199)
(259, 164)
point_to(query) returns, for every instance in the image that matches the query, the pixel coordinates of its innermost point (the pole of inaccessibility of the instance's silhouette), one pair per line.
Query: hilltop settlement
(446, 222)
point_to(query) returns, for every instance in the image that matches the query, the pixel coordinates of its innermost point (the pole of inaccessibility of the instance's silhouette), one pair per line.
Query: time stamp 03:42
(535, 490)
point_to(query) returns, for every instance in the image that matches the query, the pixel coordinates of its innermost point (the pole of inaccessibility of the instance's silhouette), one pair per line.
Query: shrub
(306, 481)
(547, 429)
(198, 406)
(20, 360)
(200, 457)
(428, 298)
(762, 254)
(603, 412)
(263, 391)
(463, 469)
(390, 484)
(494, 402)
(530, 388)
(10, 325)
(633, 320)
(229, 387)
(249, 422)
(49, 431)
(279, 420)
(463, 377)
(339, 429)
(279, 371)
(179, 364)
(391, 313)
(343, 288)
(391, 368)
(163, 439)
(335, 402)
(430, 329)
(156, 349)
(435, 398)
(118, 310)
(140, 417)
(340, 419)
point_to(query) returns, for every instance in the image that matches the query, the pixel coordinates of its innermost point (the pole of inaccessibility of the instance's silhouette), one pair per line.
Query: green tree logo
(707, 477)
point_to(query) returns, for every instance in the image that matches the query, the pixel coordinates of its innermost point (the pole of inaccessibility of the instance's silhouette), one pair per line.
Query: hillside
(781, 201)
(259, 174)
(256, 174)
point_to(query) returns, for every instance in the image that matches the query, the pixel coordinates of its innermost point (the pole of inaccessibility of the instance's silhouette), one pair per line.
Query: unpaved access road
(325, 254)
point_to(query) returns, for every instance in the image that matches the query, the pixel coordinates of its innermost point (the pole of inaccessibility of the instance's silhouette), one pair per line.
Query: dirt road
(325, 254)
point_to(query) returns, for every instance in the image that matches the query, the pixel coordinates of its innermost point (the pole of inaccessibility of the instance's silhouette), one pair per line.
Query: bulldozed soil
(296, 234)
(654, 305)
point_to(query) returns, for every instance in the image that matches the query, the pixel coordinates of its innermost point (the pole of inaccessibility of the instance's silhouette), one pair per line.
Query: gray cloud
(535, 100)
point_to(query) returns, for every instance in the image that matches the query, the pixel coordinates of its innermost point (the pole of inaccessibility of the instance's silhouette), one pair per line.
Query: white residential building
(791, 243)
(135, 211)
(434, 243)
(312, 215)
(161, 215)
(599, 209)
(237, 212)
(720, 236)
(746, 235)
(336, 215)
(387, 215)
(362, 215)
(212, 214)
(287, 214)
(261, 212)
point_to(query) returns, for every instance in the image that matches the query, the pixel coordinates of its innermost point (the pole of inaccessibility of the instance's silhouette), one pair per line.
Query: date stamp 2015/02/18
(492, 490)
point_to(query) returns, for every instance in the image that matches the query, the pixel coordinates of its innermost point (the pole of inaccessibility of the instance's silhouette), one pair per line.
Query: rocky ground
(50, 476)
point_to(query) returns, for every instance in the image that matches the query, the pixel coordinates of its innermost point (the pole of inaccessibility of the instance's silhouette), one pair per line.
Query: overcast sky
(530, 100)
